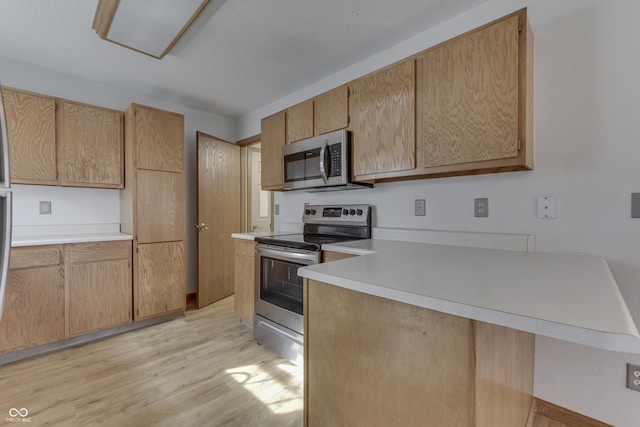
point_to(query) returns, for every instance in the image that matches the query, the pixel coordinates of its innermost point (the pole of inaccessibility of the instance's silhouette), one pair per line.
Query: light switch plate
(420, 207)
(635, 205)
(45, 207)
(547, 207)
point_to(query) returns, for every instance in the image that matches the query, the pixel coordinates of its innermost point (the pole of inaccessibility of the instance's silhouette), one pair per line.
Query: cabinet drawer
(245, 248)
(35, 256)
(99, 251)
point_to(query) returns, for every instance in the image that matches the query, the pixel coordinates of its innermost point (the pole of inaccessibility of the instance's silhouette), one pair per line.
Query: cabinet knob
(202, 226)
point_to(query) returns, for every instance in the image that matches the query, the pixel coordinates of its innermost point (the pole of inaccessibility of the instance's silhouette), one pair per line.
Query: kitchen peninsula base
(370, 361)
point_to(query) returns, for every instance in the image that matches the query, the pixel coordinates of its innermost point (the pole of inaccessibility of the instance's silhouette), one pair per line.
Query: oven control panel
(337, 214)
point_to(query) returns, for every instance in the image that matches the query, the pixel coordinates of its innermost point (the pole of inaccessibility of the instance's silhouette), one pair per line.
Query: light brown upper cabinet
(273, 138)
(462, 107)
(326, 112)
(331, 110)
(90, 147)
(75, 144)
(31, 127)
(475, 100)
(300, 121)
(382, 112)
(160, 139)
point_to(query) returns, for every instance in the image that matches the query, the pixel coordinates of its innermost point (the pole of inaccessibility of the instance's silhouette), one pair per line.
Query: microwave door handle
(323, 152)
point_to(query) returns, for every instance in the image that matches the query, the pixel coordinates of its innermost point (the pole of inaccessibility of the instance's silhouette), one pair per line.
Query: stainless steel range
(279, 302)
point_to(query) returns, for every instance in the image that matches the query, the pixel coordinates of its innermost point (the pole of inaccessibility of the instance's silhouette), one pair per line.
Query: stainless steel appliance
(279, 302)
(5, 204)
(321, 163)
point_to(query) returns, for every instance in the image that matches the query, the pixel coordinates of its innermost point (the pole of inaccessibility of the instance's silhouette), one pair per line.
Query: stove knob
(359, 212)
(352, 212)
(307, 212)
(345, 212)
(313, 211)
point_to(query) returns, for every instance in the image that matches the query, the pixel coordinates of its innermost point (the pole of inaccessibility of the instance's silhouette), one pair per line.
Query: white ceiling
(238, 56)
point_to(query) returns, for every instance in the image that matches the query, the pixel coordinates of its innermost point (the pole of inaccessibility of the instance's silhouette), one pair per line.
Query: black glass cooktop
(305, 242)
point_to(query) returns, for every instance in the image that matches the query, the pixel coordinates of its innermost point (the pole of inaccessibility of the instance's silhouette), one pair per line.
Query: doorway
(257, 206)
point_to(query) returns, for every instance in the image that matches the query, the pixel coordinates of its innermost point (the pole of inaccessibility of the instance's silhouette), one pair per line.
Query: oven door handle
(307, 258)
(323, 166)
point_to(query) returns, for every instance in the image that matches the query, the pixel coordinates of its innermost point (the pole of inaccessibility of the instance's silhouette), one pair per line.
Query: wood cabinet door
(34, 300)
(161, 279)
(160, 207)
(382, 110)
(273, 138)
(159, 139)
(244, 265)
(300, 121)
(98, 278)
(469, 95)
(90, 146)
(31, 128)
(331, 110)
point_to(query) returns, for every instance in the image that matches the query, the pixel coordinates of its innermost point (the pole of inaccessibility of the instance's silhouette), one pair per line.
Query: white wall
(76, 202)
(587, 149)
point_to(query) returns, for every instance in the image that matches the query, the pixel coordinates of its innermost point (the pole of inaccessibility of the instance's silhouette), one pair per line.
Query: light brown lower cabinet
(98, 286)
(370, 361)
(161, 282)
(34, 299)
(328, 256)
(244, 278)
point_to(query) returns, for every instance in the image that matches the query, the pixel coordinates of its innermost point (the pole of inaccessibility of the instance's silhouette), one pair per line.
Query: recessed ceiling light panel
(148, 26)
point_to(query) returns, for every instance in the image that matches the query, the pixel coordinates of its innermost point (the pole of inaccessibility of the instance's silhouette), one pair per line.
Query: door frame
(245, 182)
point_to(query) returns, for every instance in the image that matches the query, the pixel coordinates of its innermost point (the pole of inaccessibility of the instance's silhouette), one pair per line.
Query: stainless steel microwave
(320, 163)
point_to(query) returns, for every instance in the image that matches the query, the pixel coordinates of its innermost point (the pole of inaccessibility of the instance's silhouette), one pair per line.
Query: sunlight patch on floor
(271, 387)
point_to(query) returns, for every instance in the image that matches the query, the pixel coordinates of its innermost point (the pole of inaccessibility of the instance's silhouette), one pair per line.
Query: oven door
(279, 288)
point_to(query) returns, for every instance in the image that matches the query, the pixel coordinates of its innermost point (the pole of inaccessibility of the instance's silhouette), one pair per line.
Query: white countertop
(253, 235)
(68, 238)
(569, 297)
(61, 234)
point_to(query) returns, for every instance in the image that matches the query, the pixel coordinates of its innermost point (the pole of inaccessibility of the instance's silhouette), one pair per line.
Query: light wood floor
(542, 421)
(203, 370)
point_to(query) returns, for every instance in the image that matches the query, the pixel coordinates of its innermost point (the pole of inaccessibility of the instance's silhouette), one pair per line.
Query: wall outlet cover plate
(481, 207)
(547, 207)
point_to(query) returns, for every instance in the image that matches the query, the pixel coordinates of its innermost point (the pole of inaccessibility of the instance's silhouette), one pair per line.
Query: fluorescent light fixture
(151, 27)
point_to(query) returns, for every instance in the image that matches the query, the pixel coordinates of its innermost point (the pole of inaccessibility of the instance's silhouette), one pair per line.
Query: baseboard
(565, 416)
(28, 353)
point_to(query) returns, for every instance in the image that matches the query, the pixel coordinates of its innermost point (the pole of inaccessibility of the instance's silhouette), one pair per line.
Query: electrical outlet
(420, 207)
(481, 207)
(45, 207)
(633, 377)
(276, 209)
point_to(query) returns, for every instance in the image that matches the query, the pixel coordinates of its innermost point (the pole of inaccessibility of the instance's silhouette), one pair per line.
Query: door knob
(202, 226)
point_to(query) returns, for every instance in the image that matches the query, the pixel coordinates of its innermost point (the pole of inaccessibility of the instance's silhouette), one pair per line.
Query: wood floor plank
(202, 370)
